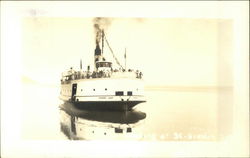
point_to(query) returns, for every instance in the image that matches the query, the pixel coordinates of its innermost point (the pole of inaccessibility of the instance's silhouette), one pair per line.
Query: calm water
(168, 115)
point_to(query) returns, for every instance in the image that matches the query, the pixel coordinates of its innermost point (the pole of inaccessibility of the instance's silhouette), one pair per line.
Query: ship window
(118, 130)
(103, 64)
(93, 89)
(119, 93)
(105, 89)
(129, 93)
(129, 130)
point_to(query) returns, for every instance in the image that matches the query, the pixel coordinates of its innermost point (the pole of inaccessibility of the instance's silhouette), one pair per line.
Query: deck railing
(76, 75)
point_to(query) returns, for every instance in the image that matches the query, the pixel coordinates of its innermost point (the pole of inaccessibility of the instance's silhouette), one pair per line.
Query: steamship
(104, 88)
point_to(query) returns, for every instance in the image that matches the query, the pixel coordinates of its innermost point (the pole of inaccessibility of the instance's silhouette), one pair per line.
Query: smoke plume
(100, 24)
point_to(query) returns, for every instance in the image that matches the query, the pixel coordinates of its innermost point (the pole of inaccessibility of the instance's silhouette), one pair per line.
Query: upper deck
(76, 75)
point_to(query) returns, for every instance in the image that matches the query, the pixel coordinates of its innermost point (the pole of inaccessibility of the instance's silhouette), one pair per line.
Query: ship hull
(104, 94)
(106, 105)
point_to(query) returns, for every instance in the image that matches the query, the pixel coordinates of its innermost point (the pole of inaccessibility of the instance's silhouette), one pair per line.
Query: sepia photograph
(125, 79)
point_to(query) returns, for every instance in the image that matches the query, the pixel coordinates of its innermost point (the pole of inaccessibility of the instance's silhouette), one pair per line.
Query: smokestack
(99, 25)
(97, 50)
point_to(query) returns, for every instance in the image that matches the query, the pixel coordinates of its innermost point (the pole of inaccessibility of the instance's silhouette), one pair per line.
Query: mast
(102, 41)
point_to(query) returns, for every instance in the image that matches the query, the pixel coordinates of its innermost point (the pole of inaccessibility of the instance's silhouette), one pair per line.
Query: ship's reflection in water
(82, 124)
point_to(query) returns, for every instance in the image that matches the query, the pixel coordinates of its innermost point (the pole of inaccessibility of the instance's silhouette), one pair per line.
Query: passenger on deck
(84, 74)
(75, 75)
(88, 74)
(94, 74)
(140, 75)
(78, 74)
(81, 74)
(101, 74)
(137, 73)
(109, 74)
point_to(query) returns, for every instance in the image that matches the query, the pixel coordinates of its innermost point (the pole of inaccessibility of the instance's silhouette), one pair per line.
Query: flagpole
(81, 64)
(125, 56)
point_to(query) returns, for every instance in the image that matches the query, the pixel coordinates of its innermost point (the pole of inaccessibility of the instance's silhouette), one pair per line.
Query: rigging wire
(112, 52)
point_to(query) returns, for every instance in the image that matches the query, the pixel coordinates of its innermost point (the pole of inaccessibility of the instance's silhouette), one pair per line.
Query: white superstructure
(103, 88)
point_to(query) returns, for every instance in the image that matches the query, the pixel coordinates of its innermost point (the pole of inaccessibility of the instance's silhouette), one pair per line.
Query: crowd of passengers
(74, 75)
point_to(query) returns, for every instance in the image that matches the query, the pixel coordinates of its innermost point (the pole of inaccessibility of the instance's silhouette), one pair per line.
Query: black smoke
(100, 23)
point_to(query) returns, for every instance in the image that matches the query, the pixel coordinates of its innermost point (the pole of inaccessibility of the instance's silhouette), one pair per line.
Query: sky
(169, 51)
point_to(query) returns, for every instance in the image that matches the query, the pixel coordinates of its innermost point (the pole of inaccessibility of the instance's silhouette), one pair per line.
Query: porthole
(118, 130)
(105, 89)
(119, 93)
(129, 130)
(93, 89)
(129, 93)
